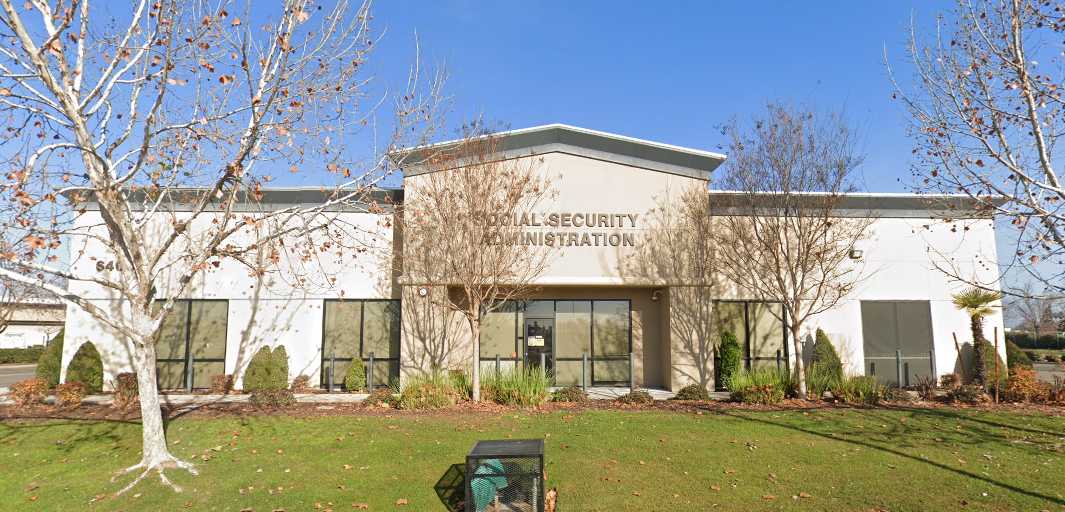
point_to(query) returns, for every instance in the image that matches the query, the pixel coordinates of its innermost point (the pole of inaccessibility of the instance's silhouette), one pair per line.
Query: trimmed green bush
(87, 368)
(859, 389)
(765, 386)
(692, 392)
(27, 355)
(731, 357)
(267, 371)
(51, 360)
(1015, 357)
(825, 356)
(569, 394)
(429, 391)
(526, 387)
(355, 380)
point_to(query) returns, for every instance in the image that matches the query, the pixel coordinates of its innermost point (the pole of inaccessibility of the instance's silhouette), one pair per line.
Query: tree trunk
(800, 371)
(475, 374)
(979, 365)
(155, 456)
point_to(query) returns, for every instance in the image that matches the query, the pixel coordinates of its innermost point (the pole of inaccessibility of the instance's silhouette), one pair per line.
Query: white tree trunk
(155, 455)
(800, 370)
(475, 374)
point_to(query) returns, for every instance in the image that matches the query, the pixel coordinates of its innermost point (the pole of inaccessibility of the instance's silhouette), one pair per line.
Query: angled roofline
(563, 138)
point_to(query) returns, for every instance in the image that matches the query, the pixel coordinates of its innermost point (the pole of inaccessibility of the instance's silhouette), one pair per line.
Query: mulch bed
(304, 410)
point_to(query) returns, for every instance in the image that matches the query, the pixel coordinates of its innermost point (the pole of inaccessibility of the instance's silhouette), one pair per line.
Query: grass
(835, 459)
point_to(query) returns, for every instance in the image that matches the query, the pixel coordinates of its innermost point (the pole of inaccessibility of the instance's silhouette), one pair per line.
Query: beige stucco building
(604, 309)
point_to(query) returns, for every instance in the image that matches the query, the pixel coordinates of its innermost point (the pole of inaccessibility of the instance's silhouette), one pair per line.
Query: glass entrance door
(540, 343)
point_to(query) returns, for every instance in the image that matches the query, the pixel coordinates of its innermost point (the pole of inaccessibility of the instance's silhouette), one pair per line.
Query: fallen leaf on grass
(400, 502)
(360, 506)
(769, 497)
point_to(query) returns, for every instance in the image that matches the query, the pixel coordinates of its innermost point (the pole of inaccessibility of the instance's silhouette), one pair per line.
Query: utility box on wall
(506, 475)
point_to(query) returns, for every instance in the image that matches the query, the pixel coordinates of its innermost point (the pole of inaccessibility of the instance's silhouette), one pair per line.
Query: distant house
(31, 323)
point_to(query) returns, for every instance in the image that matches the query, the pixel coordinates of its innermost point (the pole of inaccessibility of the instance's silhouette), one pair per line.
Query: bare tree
(1035, 311)
(987, 114)
(462, 234)
(784, 237)
(170, 117)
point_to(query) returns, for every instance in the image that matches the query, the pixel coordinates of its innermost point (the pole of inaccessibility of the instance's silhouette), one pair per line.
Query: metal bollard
(584, 371)
(778, 361)
(632, 371)
(543, 362)
(332, 369)
(932, 364)
(369, 374)
(498, 367)
(898, 368)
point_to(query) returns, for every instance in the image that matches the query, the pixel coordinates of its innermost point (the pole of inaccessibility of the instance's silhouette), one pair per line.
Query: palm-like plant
(976, 302)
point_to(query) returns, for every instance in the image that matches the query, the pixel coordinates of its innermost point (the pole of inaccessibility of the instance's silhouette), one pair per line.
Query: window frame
(189, 361)
(393, 361)
(519, 337)
(748, 360)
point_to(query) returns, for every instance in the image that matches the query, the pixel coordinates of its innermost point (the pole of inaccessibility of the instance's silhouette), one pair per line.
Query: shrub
(429, 391)
(765, 386)
(221, 384)
(51, 360)
(25, 355)
(859, 389)
(1015, 357)
(272, 398)
(893, 394)
(821, 378)
(381, 397)
(1024, 386)
(950, 381)
(731, 357)
(355, 380)
(636, 397)
(127, 391)
(301, 384)
(569, 394)
(968, 393)
(87, 368)
(1056, 391)
(1051, 358)
(926, 387)
(825, 356)
(461, 382)
(1033, 356)
(29, 392)
(526, 387)
(267, 371)
(989, 357)
(692, 392)
(69, 394)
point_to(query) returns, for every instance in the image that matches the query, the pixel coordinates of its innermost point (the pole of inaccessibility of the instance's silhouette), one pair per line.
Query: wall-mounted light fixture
(656, 295)
(423, 291)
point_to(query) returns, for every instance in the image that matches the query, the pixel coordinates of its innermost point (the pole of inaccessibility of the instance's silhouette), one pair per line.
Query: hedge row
(1029, 340)
(28, 355)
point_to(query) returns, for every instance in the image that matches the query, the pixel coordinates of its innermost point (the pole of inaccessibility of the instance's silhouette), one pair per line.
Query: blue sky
(666, 71)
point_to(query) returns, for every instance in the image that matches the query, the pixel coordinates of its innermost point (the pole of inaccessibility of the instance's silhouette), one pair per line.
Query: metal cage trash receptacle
(505, 476)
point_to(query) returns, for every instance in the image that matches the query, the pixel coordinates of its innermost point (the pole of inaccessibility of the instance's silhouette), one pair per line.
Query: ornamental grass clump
(766, 386)
(432, 390)
(859, 390)
(820, 379)
(525, 387)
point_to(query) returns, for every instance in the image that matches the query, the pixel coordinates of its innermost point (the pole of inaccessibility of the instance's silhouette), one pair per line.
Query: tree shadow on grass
(93, 431)
(899, 453)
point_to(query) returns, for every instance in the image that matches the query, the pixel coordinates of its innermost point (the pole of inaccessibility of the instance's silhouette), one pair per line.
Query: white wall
(286, 312)
(900, 262)
(23, 336)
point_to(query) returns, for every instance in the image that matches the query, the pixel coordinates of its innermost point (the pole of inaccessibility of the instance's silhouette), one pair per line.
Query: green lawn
(830, 459)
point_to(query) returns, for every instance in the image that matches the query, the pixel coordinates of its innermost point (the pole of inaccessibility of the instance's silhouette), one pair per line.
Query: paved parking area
(1047, 371)
(12, 373)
